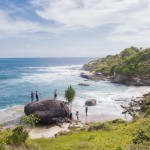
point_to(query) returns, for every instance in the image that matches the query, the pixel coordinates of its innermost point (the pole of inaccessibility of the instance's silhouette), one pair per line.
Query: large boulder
(91, 102)
(47, 110)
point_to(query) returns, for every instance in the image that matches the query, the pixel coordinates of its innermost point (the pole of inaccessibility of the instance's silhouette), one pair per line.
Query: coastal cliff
(130, 67)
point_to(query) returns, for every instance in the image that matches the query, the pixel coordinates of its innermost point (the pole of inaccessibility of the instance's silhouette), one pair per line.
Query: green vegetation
(131, 62)
(18, 137)
(99, 136)
(29, 121)
(70, 94)
(146, 106)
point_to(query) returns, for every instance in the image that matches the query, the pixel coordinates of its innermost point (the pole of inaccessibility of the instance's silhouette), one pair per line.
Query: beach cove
(53, 75)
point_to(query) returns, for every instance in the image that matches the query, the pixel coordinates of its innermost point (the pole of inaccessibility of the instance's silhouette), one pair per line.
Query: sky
(72, 28)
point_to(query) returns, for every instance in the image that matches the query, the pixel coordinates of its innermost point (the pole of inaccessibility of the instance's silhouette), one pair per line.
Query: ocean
(20, 76)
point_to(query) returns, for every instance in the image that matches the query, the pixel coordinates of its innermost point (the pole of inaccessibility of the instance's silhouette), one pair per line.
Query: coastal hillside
(131, 67)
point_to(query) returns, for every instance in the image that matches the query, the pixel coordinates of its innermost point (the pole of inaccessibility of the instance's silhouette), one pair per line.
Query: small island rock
(84, 84)
(48, 111)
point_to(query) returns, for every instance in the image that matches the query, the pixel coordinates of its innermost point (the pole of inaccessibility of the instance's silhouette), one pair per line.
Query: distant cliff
(131, 67)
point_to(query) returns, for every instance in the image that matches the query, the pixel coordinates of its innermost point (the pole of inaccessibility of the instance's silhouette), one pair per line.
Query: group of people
(77, 112)
(36, 95)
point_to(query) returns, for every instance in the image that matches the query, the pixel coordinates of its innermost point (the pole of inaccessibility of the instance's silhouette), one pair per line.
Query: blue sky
(72, 28)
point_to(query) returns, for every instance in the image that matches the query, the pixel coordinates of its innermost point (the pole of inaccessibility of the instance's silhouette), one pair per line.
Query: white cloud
(84, 13)
(130, 18)
(10, 27)
(20, 27)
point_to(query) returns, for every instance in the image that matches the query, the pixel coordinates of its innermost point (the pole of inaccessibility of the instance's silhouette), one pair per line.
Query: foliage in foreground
(18, 137)
(114, 135)
(145, 108)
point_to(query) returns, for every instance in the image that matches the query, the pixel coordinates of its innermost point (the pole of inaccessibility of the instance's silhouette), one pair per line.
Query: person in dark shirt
(32, 96)
(55, 94)
(37, 96)
(86, 110)
(77, 114)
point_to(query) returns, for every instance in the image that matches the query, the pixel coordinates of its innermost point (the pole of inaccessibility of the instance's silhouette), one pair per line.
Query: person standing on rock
(86, 109)
(32, 96)
(37, 96)
(55, 94)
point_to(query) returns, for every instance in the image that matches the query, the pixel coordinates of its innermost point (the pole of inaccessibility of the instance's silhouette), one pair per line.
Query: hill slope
(131, 66)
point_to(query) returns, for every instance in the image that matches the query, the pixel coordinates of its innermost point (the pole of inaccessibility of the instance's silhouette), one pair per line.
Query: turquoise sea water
(20, 76)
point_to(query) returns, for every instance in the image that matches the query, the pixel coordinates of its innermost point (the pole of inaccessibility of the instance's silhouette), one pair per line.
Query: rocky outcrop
(136, 81)
(136, 105)
(47, 110)
(92, 76)
(91, 102)
(86, 75)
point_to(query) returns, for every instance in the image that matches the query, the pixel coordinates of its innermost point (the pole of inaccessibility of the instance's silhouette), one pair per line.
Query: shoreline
(9, 118)
(49, 131)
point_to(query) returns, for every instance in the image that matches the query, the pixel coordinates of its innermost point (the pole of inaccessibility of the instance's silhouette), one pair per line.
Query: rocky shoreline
(133, 81)
(134, 107)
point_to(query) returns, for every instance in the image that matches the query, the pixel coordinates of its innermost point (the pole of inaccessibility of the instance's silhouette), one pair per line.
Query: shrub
(141, 137)
(118, 148)
(2, 146)
(118, 121)
(18, 136)
(30, 121)
(100, 126)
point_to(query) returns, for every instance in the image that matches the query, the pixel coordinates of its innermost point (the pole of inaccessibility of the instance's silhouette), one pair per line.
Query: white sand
(47, 131)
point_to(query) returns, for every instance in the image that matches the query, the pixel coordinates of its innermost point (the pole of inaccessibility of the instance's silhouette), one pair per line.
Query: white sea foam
(10, 114)
(50, 74)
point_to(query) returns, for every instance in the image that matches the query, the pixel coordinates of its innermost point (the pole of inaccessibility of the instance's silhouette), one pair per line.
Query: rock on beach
(91, 102)
(48, 111)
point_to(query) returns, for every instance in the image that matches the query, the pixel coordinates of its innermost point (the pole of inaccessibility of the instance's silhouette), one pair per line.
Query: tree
(70, 95)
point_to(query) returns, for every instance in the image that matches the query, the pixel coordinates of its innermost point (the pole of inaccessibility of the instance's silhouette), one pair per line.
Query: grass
(112, 135)
(120, 136)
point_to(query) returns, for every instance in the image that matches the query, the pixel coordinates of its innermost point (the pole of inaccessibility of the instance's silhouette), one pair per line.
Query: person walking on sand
(32, 96)
(37, 96)
(86, 110)
(77, 114)
(55, 94)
